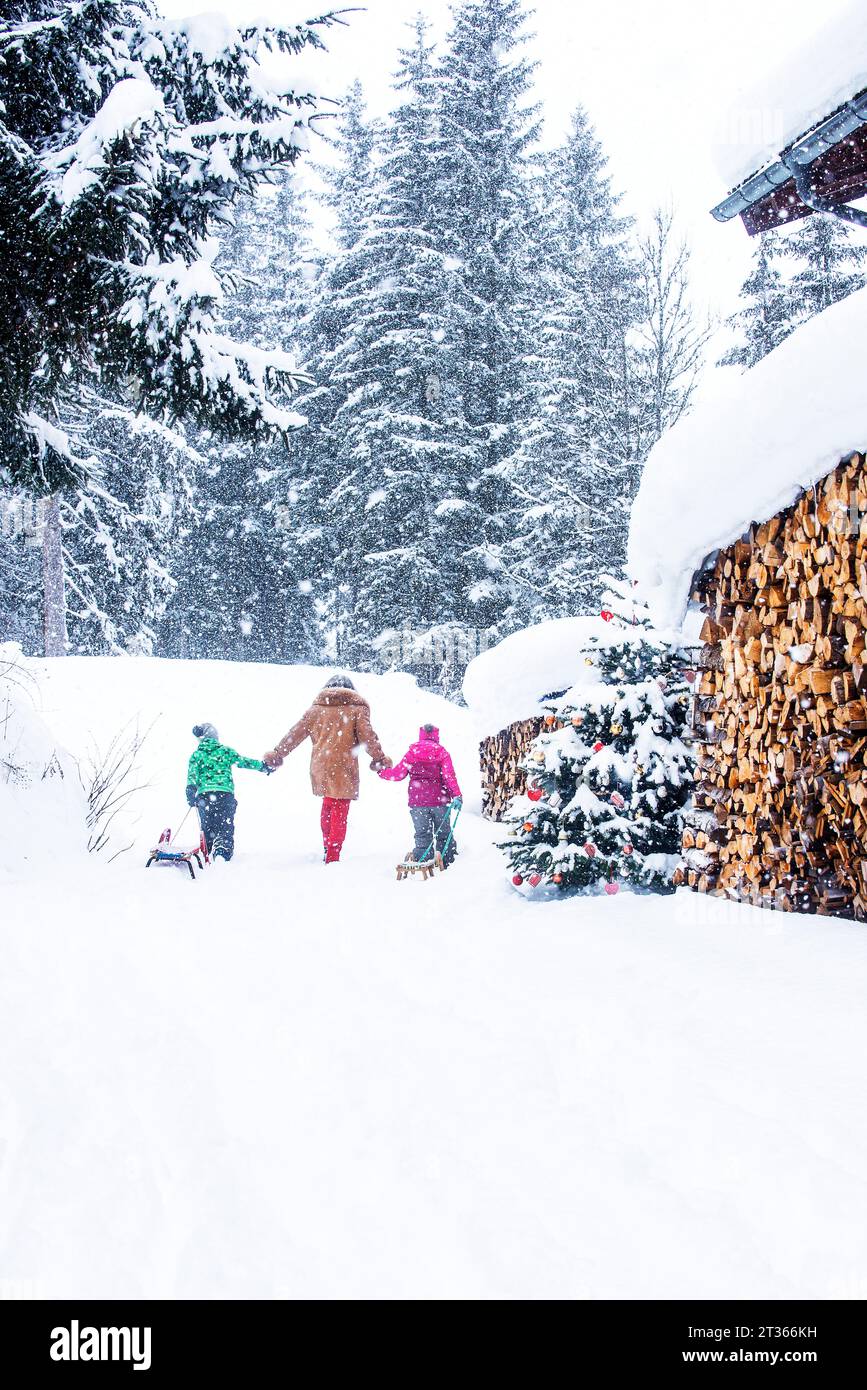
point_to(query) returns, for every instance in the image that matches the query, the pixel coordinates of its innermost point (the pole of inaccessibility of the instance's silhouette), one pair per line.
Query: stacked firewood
(503, 775)
(781, 709)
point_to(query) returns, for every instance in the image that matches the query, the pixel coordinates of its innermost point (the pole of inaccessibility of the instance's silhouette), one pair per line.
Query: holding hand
(272, 761)
(458, 801)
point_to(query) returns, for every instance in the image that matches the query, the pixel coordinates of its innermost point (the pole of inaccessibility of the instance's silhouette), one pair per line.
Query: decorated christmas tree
(610, 775)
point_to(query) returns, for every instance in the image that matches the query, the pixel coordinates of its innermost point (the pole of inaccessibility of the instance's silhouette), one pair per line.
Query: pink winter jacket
(432, 780)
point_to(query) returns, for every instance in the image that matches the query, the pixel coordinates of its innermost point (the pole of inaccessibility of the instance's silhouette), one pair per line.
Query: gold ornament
(616, 729)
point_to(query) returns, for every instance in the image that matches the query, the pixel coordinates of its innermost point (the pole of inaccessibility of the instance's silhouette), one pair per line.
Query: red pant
(335, 811)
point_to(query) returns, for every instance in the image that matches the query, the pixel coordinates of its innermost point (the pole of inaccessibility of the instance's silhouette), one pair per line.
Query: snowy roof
(744, 455)
(823, 76)
(509, 681)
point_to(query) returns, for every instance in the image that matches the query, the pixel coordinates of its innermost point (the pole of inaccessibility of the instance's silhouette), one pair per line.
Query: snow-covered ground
(296, 1081)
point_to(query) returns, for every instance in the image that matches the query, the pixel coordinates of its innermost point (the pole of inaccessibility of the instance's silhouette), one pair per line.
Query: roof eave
(770, 182)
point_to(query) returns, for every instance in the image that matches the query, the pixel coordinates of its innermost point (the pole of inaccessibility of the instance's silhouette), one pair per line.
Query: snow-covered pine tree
(767, 312)
(382, 435)
(20, 571)
(338, 335)
(243, 592)
(610, 776)
(656, 710)
(832, 259)
(121, 528)
(125, 140)
(576, 467)
(486, 133)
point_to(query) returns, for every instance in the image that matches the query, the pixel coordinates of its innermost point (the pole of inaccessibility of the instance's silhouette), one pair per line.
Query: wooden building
(780, 713)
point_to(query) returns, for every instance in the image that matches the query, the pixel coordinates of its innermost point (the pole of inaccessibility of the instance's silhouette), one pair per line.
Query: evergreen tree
(337, 487)
(833, 257)
(611, 775)
(243, 593)
(125, 140)
(795, 274)
(486, 135)
(418, 348)
(20, 572)
(577, 466)
(392, 464)
(766, 314)
(121, 529)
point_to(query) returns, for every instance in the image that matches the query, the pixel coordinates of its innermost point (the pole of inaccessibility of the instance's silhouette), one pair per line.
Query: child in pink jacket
(433, 790)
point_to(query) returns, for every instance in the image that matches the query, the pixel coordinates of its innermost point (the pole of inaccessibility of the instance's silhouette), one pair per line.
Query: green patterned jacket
(210, 768)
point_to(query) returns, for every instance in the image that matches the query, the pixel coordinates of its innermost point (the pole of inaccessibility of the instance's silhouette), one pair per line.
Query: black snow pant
(217, 817)
(432, 823)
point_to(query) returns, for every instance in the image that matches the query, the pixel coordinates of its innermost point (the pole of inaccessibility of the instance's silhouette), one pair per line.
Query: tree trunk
(53, 588)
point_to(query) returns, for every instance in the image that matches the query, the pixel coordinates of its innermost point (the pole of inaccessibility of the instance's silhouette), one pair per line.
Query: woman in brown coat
(338, 724)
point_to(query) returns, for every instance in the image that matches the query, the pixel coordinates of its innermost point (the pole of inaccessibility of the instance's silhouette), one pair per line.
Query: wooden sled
(410, 866)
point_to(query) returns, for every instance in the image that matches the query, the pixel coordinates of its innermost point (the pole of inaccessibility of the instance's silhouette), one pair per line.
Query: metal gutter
(796, 157)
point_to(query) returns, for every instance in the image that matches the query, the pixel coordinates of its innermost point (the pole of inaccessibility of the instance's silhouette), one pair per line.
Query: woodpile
(501, 757)
(781, 709)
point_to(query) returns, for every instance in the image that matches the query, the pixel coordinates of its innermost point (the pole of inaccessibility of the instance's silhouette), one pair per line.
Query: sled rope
(431, 849)
(181, 826)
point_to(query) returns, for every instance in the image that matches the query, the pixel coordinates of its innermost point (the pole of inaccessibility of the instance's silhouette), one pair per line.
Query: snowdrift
(42, 810)
(510, 681)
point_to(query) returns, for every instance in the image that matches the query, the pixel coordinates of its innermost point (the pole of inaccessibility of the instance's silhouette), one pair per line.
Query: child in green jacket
(211, 787)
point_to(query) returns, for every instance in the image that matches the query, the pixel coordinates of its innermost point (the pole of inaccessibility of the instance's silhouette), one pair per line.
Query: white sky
(659, 81)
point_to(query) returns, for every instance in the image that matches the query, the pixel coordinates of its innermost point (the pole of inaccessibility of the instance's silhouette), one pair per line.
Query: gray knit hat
(205, 731)
(338, 683)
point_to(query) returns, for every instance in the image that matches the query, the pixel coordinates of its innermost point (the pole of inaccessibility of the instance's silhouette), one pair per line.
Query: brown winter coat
(338, 722)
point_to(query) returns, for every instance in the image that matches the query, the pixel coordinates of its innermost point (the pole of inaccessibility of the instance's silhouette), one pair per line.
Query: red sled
(164, 854)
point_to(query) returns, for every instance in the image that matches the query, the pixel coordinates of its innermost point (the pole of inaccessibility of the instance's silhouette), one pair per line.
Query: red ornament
(535, 880)
(627, 849)
(617, 800)
(528, 825)
(517, 880)
(612, 888)
(689, 675)
(589, 849)
(535, 794)
(598, 746)
(558, 878)
(606, 615)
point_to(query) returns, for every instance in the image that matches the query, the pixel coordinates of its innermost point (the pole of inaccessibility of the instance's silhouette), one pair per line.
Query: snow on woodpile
(822, 76)
(510, 681)
(746, 454)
